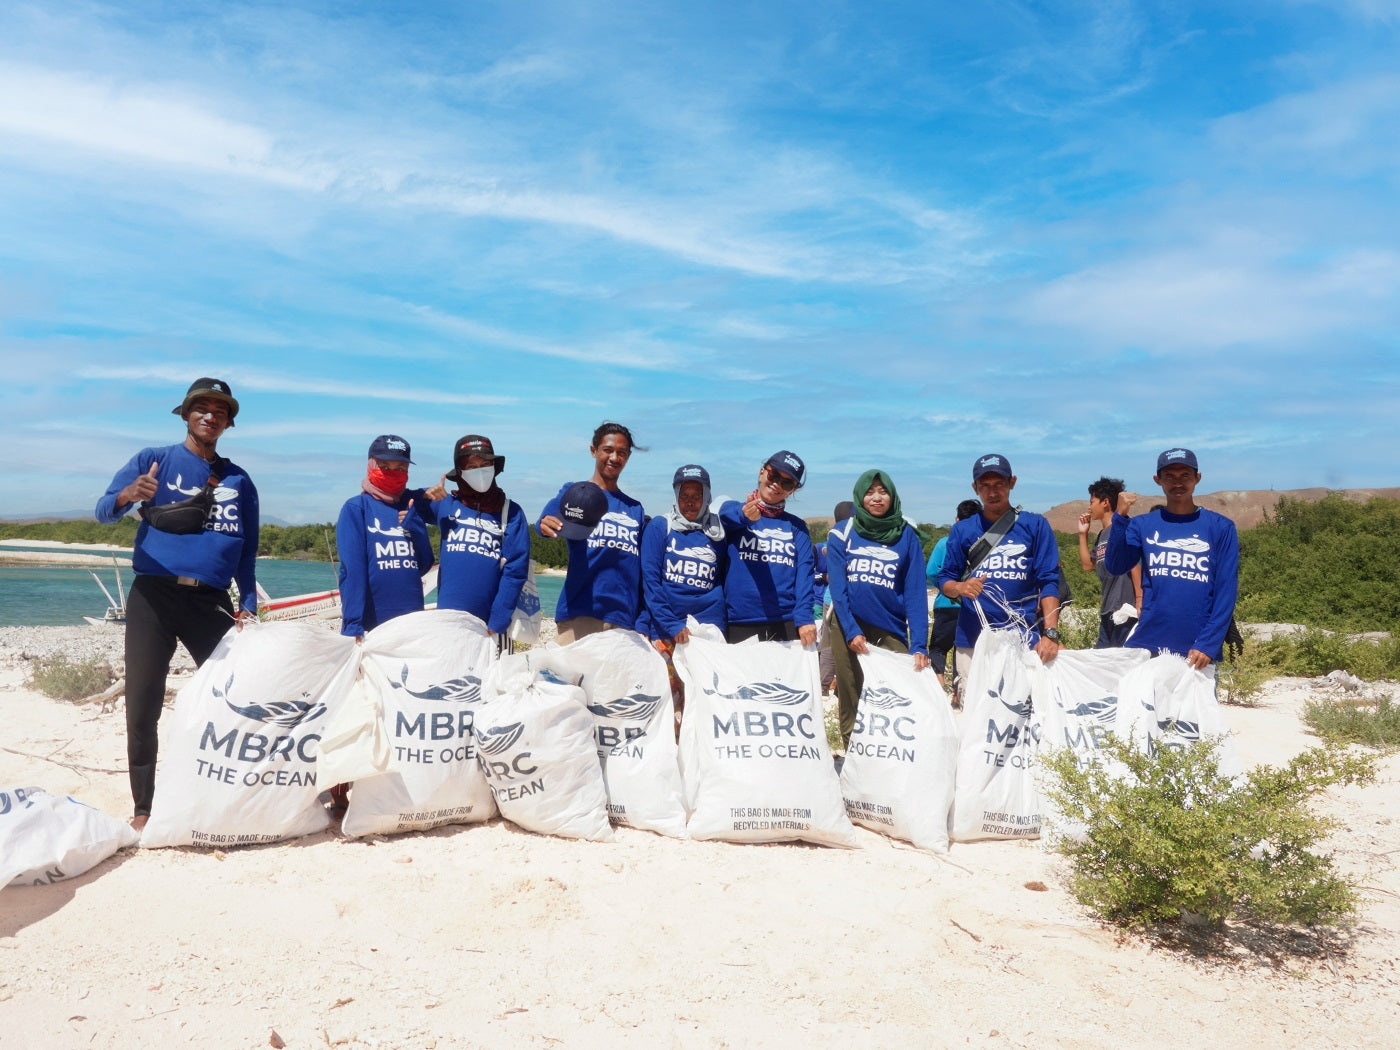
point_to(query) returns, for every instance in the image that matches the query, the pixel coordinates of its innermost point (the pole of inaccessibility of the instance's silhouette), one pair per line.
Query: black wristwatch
(1052, 633)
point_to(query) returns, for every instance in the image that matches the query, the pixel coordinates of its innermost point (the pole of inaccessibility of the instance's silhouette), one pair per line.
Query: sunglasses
(783, 481)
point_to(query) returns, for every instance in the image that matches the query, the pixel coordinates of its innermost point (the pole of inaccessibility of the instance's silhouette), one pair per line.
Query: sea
(49, 595)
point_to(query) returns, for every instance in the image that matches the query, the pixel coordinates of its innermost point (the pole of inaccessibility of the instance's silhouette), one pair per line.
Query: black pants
(777, 631)
(160, 612)
(942, 637)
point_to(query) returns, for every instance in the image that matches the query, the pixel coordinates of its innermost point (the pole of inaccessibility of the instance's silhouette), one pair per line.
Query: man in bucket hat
(199, 530)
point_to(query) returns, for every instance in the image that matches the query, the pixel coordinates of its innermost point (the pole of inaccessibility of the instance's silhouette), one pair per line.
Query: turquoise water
(62, 596)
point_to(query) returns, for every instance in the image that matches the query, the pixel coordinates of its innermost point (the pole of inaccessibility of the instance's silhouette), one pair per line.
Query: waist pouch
(187, 516)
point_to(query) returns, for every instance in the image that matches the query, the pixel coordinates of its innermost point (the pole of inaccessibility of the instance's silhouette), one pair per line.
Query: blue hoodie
(604, 580)
(1024, 566)
(681, 576)
(771, 574)
(878, 584)
(382, 561)
(1190, 576)
(226, 550)
(482, 570)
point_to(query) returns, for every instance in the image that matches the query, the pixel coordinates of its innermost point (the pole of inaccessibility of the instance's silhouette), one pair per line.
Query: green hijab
(886, 529)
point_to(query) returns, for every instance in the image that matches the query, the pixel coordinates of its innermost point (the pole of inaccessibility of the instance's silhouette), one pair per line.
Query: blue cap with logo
(390, 446)
(789, 463)
(581, 507)
(1178, 455)
(991, 463)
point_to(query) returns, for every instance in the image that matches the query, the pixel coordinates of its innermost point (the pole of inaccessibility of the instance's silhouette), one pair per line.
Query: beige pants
(571, 630)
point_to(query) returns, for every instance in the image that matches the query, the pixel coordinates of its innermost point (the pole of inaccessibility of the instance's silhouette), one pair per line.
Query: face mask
(480, 478)
(389, 482)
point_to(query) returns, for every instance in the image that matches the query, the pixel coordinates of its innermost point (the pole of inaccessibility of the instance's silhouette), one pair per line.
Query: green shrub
(1317, 652)
(1375, 723)
(55, 676)
(1172, 838)
(1241, 677)
(1079, 628)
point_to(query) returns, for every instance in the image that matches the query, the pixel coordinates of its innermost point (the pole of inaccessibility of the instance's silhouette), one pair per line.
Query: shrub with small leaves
(61, 679)
(1375, 723)
(1168, 837)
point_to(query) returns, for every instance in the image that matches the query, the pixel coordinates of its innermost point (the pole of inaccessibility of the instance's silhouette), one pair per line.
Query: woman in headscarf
(875, 564)
(485, 536)
(382, 542)
(769, 586)
(682, 569)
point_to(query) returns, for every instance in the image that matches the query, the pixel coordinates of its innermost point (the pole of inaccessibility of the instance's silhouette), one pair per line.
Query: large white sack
(629, 696)
(47, 838)
(898, 775)
(754, 756)
(534, 738)
(240, 764)
(424, 671)
(1168, 703)
(996, 795)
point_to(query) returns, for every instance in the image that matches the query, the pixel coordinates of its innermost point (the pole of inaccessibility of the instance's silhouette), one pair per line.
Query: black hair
(609, 427)
(1107, 489)
(967, 508)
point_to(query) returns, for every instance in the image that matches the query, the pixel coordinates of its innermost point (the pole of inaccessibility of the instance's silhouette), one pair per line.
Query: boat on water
(115, 613)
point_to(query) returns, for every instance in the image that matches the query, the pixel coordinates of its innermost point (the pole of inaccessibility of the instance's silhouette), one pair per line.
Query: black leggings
(160, 612)
(777, 631)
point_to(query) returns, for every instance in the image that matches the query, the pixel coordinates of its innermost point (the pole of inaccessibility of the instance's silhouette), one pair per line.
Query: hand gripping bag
(534, 739)
(1168, 703)
(898, 775)
(628, 693)
(996, 795)
(240, 764)
(47, 838)
(424, 671)
(754, 756)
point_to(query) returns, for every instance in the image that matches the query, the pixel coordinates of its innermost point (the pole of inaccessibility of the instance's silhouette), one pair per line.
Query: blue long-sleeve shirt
(771, 574)
(879, 584)
(382, 561)
(226, 550)
(1024, 566)
(1191, 566)
(484, 566)
(604, 580)
(682, 574)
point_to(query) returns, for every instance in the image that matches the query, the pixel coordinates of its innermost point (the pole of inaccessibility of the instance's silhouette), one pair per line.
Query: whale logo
(481, 524)
(1103, 711)
(619, 518)
(705, 554)
(499, 739)
(638, 707)
(286, 714)
(464, 690)
(775, 693)
(222, 494)
(1193, 544)
(178, 486)
(1177, 727)
(876, 553)
(883, 699)
(1020, 710)
(1010, 549)
(771, 534)
(393, 530)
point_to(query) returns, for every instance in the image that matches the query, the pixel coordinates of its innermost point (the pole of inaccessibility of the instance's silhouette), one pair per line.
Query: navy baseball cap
(474, 445)
(390, 446)
(1177, 455)
(790, 463)
(991, 463)
(691, 472)
(581, 508)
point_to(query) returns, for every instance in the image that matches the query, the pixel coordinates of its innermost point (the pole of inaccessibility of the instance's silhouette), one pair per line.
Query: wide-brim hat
(473, 445)
(205, 386)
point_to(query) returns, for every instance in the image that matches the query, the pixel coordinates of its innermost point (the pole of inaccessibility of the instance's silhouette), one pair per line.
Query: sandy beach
(488, 936)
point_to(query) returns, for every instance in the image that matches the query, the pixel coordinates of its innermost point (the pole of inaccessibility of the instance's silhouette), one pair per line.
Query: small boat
(298, 606)
(115, 612)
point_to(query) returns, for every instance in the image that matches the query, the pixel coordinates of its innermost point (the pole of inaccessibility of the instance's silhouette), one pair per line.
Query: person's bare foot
(138, 822)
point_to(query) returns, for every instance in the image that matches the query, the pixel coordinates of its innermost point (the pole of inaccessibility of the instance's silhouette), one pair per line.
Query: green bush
(1373, 723)
(1316, 652)
(1171, 838)
(55, 676)
(1241, 676)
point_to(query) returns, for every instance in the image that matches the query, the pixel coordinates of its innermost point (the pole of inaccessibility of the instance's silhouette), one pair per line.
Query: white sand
(492, 937)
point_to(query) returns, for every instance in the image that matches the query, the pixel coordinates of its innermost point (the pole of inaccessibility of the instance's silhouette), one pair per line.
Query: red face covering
(385, 484)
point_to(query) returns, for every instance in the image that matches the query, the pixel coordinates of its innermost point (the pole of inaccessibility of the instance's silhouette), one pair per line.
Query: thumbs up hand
(143, 488)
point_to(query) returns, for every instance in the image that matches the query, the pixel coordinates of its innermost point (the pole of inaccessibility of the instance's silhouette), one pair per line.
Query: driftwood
(110, 693)
(76, 767)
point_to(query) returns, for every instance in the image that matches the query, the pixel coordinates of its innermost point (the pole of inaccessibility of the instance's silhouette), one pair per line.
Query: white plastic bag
(424, 673)
(240, 764)
(754, 756)
(1167, 703)
(47, 838)
(996, 796)
(534, 739)
(629, 695)
(898, 775)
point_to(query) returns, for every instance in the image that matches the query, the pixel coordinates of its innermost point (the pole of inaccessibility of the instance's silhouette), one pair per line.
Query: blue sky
(893, 235)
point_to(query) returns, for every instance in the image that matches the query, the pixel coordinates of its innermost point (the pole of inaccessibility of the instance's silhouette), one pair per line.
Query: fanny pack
(187, 516)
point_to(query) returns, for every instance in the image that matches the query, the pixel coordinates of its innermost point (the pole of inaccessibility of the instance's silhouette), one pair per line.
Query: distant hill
(1246, 508)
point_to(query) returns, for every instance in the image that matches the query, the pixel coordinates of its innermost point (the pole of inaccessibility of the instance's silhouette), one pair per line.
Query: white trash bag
(996, 796)
(898, 775)
(535, 744)
(240, 764)
(754, 756)
(424, 671)
(1168, 703)
(629, 695)
(48, 838)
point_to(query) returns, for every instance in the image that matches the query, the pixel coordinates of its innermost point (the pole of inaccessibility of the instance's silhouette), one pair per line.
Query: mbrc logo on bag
(464, 690)
(13, 800)
(1089, 724)
(493, 745)
(1016, 737)
(875, 726)
(251, 749)
(455, 725)
(760, 723)
(613, 740)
